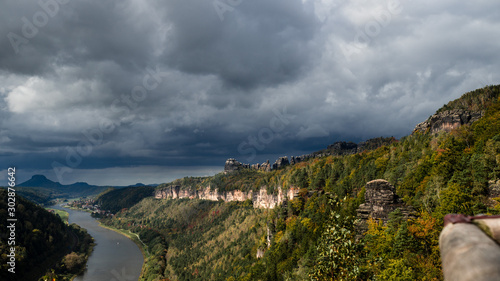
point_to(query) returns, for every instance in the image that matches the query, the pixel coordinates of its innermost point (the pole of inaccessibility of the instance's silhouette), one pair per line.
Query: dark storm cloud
(41, 37)
(124, 85)
(259, 43)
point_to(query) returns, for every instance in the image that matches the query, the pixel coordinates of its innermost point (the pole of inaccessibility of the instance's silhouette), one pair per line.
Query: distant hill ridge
(42, 190)
(43, 181)
(40, 181)
(337, 149)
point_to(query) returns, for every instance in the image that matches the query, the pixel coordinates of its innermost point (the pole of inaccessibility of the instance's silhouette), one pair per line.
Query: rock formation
(494, 188)
(232, 165)
(260, 199)
(448, 120)
(337, 149)
(380, 200)
(493, 193)
(266, 166)
(281, 162)
(342, 148)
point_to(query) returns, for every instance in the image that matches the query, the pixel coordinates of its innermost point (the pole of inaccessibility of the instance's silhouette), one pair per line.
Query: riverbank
(116, 254)
(132, 236)
(81, 246)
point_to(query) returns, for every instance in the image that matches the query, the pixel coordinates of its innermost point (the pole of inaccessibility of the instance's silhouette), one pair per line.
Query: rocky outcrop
(281, 162)
(342, 148)
(266, 166)
(234, 165)
(493, 193)
(337, 149)
(260, 199)
(448, 120)
(494, 188)
(231, 165)
(346, 148)
(380, 200)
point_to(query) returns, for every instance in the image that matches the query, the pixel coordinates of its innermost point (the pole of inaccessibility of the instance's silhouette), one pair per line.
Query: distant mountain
(41, 190)
(139, 184)
(80, 184)
(40, 181)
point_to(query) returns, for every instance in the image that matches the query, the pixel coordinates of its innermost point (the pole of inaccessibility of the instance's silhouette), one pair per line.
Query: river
(115, 257)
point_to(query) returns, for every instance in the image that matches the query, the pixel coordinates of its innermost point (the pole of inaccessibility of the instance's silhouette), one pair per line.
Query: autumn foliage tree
(337, 251)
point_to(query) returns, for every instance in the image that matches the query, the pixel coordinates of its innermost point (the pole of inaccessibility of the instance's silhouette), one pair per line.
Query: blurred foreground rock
(469, 248)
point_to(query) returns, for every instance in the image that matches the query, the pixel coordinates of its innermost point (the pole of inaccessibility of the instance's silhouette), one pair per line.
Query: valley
(282, 223)
(365, 211)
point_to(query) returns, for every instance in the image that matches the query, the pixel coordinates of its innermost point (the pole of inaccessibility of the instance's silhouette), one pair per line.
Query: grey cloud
(260, 43)
(222, 81)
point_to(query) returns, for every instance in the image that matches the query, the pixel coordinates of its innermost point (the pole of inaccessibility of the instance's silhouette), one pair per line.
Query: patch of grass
(62, 214)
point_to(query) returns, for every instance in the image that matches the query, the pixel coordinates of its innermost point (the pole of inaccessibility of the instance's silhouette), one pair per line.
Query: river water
(115, 257)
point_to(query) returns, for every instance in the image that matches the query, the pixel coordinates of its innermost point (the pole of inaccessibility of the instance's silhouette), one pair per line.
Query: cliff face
(467, 109)
(448, 120)
(260, 199)
(380, 200)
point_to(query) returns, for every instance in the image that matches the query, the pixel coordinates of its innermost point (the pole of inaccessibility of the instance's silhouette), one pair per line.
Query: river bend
(115, 257)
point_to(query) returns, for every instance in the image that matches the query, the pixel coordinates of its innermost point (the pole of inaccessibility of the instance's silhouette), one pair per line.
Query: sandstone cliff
(448, 120)
(380, 200)
(260, 199)
(467, 109)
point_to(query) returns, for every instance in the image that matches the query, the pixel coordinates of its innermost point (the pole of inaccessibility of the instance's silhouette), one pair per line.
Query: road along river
(115, 257)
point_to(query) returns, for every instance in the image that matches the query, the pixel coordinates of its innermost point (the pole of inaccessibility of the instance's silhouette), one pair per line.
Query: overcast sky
(124, 91)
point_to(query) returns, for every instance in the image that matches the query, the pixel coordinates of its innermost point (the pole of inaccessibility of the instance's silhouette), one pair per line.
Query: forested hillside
(116, 199)
(313, 235)
(42, 241)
